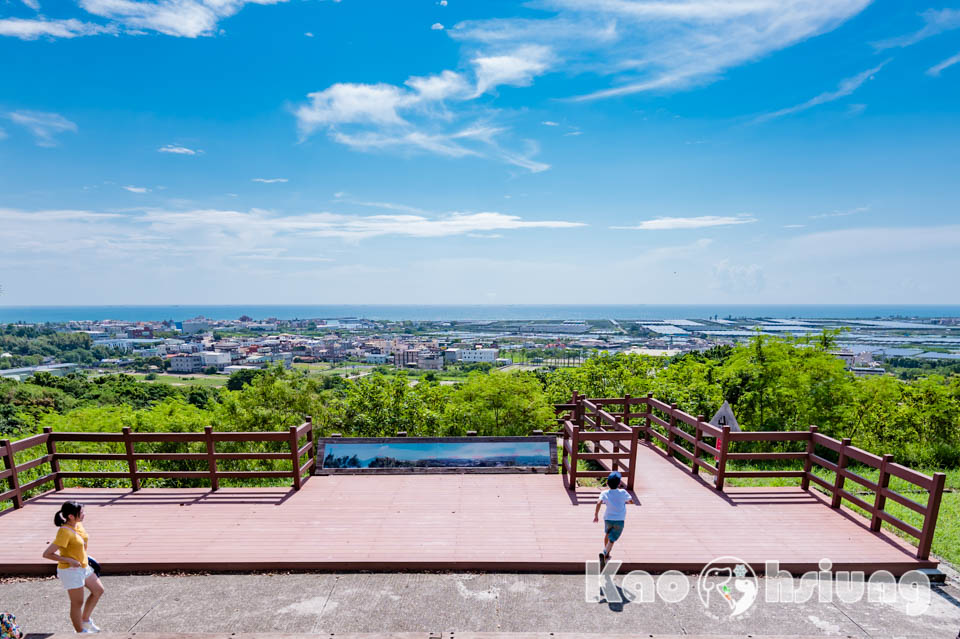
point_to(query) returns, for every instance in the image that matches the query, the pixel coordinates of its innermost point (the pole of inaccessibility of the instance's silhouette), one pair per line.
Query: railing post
(563, 451)
(574, 450)
(930, 517)
(883, 480)
(723, 443)
(838, 481)
(9, 463)
(312, 453)
(295, 457)
(808, 461)
(211, 458)
(696, 446)
(634, 442)
(54, 462)
(131, 460)
(625, 419)
(671, 437)
(647, 426)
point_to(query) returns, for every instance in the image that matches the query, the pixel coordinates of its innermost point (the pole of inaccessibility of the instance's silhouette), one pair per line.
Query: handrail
(11, 470)
(671, 438)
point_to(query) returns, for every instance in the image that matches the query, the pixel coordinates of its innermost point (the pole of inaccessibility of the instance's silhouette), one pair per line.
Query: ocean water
(40, 314)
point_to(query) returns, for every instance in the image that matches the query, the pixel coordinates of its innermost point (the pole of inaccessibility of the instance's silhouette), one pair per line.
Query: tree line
(771, 383)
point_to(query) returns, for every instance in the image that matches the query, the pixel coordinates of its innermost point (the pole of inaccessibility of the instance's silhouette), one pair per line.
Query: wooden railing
(694, 441)
(12, 470)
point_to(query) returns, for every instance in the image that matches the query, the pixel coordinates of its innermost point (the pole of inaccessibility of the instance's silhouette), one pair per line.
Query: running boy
(616, 500)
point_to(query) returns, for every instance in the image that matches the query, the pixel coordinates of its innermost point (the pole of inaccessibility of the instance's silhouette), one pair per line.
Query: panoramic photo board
(436, 454)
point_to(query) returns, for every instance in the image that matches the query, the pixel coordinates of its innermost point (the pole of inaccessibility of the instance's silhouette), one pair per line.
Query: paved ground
(437, 603)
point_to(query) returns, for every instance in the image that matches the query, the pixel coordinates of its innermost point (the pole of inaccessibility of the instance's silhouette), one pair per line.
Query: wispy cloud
(137, 189)
(845, 88)
(650, 45)
(683, 223)
(43, 126)
(420, 115)
(436, 26)
(179, 150)
(550, 123)
(32, 29)
(843, 213)
(270, 180)
(179, 18)
(949, 62)
(33, 4)
(159, 233)
(935, 23)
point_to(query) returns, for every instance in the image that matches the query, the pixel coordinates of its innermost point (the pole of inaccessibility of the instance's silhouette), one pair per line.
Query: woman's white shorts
(74, 577)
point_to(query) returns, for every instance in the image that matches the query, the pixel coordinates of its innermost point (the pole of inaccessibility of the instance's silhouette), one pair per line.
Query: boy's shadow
(608, 585)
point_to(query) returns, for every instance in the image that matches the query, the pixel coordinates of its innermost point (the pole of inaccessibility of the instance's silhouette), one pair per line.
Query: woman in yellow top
(73, 569)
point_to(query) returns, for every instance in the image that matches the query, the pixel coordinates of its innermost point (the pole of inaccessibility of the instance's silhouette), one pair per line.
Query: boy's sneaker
(89, 626)
(603, 560)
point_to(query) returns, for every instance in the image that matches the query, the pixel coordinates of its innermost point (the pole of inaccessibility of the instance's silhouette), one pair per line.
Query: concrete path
(445, 603)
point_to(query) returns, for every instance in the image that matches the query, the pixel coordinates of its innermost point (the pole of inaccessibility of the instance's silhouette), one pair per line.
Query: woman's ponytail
(68, 508)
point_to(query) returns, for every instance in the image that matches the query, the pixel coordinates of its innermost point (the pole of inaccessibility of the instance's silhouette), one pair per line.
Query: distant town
(355, 346)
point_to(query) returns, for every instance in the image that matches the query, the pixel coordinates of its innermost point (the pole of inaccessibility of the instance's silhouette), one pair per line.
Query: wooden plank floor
(451, 522)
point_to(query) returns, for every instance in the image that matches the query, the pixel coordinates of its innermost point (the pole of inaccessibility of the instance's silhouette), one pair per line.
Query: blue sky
(555, 151)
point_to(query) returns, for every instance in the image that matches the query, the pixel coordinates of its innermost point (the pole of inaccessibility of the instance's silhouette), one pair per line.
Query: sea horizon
(468, 312)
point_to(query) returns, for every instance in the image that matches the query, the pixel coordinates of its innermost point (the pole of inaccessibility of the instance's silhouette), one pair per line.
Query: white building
(213, 358)
(195, 326)
(376, 358)
(488, 355)
(186, 363)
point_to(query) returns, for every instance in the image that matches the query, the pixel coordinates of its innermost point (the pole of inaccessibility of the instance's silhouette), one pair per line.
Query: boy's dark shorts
(613, 529)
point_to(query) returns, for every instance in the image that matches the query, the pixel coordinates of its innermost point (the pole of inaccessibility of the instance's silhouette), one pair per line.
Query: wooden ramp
(513, 522)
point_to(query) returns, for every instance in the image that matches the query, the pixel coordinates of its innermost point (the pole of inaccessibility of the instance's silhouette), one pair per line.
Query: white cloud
(518, 68)
(33, 4)
(845, 88)
(182, 18)
(27, 29)
(443, 3)
(436, 26)
(137, 189)
(683, 223)
(417, 116)
(308, 34)
(208, 233)
(179, 150)
(179, 18)
(649, 45)
(795, 226)
(935, 23)
(270, 180)
(949, 62)
(843, 213)
(550, 123)
(43, 126)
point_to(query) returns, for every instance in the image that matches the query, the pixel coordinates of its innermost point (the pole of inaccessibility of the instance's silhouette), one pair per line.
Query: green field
(186, 380)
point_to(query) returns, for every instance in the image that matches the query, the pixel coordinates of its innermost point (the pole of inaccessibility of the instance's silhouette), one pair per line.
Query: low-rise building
(186, 363)
(488, 355)
(213, 358)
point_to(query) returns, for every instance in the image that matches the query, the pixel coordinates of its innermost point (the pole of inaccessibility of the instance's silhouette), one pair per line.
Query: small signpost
(725, 417)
